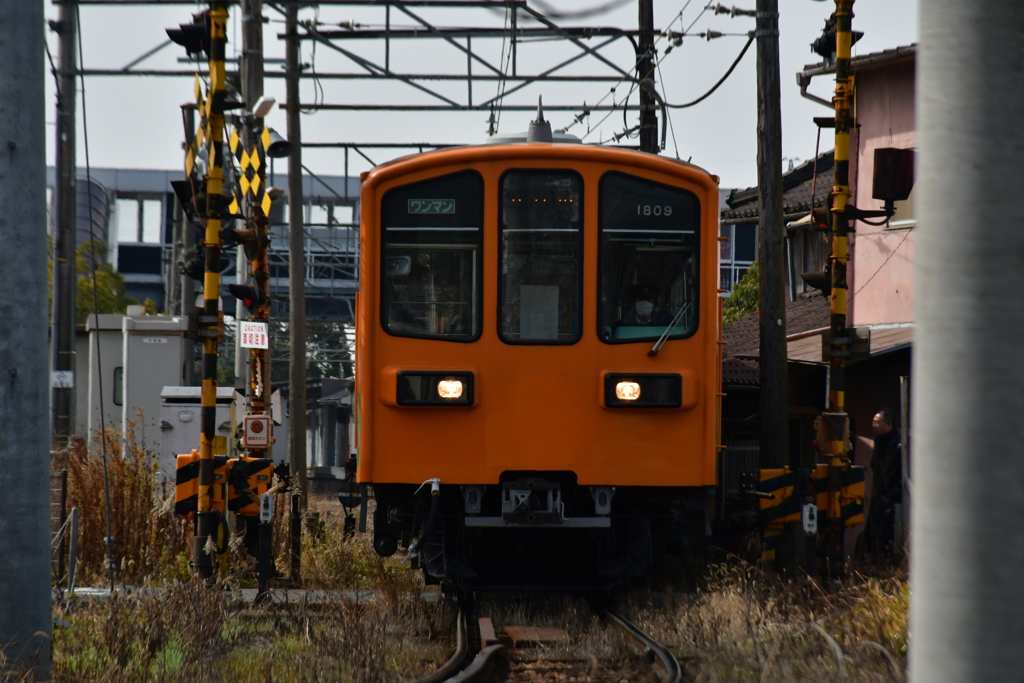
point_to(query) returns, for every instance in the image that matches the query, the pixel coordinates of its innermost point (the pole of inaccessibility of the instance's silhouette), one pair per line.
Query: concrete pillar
(967, 546)
(25, 621)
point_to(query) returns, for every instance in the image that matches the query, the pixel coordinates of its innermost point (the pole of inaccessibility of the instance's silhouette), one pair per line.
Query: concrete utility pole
(966, 547)
(65, 276)
(645, 72)
(771, 233)
(296, 264)
(25, 621)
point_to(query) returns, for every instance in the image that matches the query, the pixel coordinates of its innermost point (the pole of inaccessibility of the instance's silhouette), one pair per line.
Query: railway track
(463, 667)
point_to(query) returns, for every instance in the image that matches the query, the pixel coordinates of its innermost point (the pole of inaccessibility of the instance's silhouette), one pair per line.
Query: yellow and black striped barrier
(789, 490)
(238, 484)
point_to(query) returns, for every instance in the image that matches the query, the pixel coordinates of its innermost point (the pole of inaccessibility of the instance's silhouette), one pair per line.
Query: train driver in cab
(642, 312)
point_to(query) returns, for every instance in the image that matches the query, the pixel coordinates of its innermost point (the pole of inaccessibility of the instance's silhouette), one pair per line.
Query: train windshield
(648, 260)
(432, 238)
(541, 252)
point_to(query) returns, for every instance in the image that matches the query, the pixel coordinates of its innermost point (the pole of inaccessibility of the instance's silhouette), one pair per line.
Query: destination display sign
(431, 206)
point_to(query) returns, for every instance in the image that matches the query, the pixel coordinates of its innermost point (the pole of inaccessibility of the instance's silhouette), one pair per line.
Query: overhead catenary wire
(109, 541)
(722, 80)
(665, 33)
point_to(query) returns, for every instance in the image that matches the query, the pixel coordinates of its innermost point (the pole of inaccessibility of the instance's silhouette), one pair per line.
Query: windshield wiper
(664, 335)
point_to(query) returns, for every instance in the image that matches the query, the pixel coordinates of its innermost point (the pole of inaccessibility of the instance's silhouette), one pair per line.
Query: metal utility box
(153, 358)
(180, 423)
(106, 350)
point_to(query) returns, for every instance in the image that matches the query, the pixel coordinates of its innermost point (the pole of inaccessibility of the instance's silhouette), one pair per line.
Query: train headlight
(627, 391)
(426, 388)
(643, 390)
(450, 389)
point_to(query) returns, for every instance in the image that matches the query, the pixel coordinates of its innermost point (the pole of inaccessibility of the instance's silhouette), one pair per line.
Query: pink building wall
(881, 282)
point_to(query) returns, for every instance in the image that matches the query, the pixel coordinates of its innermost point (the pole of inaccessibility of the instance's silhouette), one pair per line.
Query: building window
(738, 250)
(140, 219)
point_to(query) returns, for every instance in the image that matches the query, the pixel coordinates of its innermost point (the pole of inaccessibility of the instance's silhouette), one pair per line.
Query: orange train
(538, 361)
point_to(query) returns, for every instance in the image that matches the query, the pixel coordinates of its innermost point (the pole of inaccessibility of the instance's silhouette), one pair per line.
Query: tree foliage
(744, 298)
(110, 296)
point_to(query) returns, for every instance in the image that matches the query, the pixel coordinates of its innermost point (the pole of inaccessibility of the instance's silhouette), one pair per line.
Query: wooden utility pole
(771, 232)
(296, 264)
(65, 277)
(645, 74)
(188, 236)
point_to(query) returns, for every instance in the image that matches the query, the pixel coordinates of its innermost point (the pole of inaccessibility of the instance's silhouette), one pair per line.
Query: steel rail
(673, 672)
(457, 661)
(480, 668)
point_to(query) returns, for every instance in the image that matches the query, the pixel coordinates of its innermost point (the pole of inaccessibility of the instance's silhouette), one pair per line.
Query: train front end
(537, 382)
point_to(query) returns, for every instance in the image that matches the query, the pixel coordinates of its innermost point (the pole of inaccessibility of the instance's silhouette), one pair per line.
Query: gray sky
(135, 122)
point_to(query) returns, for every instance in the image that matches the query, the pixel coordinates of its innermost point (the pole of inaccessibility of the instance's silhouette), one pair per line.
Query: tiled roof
(796, 186)
(870, 60)
(742, 337)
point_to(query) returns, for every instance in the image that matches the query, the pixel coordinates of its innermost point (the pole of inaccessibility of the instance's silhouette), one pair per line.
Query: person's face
(643, 308)
(879, 426)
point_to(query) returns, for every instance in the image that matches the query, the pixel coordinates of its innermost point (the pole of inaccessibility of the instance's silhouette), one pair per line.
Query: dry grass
(751, 625)
(149, 541)
(744, 624)
(191, 633)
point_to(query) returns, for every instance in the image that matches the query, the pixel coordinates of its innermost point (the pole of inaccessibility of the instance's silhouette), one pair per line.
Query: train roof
(535, 150)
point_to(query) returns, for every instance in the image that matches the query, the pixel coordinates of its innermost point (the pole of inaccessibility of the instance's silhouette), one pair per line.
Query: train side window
(648, 254)
(541, 252)
(431, 250)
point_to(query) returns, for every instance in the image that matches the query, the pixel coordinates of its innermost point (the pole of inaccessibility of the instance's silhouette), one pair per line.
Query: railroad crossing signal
(250, 163)
(250, 295)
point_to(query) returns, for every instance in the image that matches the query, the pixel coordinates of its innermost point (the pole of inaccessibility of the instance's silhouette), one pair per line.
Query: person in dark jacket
(887, 485)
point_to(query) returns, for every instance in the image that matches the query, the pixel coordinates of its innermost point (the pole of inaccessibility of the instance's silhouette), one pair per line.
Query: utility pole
(251, 67)
(188, 285)
(965, 542)
(210, 325)
(65, 276)
(25, 618)
(259, 385)
(645, 74)
(837, 422)
(296, 264)
(771, 290)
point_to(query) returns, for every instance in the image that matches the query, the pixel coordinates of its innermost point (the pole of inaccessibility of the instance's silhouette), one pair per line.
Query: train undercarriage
(538, 530)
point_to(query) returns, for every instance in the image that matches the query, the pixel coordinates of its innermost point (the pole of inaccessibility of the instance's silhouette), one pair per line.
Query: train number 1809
(653, 210)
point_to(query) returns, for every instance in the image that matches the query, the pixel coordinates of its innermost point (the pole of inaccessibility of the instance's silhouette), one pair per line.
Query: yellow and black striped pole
(210, 326)
(837, 420)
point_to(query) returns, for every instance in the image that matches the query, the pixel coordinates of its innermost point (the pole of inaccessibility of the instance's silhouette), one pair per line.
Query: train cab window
(648, 248)
(432, 239)
(541, 252)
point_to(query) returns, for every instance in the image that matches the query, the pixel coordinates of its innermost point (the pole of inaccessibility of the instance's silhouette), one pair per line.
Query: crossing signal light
(251, 296)
(252, 241)
(194, 37)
